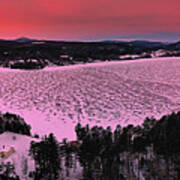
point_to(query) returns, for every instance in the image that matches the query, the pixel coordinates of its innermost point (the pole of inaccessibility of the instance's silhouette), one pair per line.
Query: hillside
(24, 53)
(55, 99)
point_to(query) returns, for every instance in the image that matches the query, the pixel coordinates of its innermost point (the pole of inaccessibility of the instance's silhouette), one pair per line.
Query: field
(55, 99)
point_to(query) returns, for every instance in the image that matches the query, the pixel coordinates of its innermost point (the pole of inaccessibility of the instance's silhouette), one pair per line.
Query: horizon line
(90, 40)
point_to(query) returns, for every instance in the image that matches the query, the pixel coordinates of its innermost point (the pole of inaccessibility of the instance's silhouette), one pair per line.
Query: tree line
(13, 123)
(149, 151)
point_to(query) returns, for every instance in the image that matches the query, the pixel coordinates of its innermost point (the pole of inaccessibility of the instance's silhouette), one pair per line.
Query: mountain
(24, 39)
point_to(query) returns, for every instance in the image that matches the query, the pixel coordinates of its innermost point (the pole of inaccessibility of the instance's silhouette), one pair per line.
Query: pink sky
(90, 19)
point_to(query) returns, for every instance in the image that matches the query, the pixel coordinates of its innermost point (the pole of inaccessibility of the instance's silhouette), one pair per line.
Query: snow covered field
(55, 99)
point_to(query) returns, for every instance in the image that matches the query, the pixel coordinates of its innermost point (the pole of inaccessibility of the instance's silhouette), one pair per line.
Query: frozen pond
(55, 99)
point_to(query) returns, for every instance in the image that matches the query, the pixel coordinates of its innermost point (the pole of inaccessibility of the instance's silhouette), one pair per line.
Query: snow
(38, 42)
(64, 56)
(3, 69)
(18, 159)
(54, 99)
(160, 52)
(21, 144)
(133, 56)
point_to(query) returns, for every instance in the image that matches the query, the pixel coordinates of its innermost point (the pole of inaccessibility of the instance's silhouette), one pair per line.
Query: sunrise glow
(90, 20)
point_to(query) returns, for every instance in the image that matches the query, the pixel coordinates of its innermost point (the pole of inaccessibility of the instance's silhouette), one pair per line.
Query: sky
(90, 19)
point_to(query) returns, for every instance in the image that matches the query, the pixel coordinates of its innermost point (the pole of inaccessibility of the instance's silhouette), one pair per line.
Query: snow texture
(56, 98)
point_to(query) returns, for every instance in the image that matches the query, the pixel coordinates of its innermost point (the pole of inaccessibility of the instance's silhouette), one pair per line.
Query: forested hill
(35, 54)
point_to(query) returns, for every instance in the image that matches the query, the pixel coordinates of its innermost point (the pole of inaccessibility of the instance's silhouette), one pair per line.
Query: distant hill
(24, 39)
(147, 43)
(175, 46)
(138, 43)
(26, 53)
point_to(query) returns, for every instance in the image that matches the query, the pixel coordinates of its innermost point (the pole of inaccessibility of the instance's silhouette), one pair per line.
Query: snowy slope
(21, 144)
(21, 160)
(55, 99)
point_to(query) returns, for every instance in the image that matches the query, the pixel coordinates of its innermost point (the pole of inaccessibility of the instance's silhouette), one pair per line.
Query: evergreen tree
(47, 158)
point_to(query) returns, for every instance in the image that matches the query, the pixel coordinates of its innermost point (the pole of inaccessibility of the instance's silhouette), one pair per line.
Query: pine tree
(47, 158)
